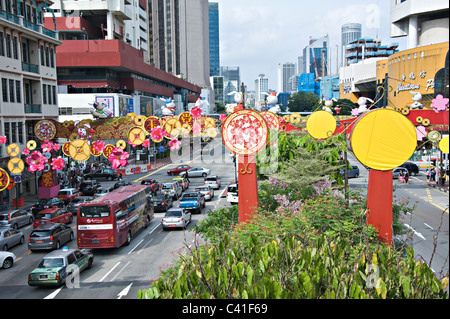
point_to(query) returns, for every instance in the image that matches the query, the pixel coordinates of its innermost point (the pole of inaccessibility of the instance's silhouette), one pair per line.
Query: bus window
(95, 211)
(121, 214)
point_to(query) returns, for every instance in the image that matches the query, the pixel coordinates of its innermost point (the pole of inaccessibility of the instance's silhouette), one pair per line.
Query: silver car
(173, 189)
(196, 172)
(10, 237)
(176, 218)
(15, 218)
(7, 259)
(50, 236)
(207, 191)
(396, 172)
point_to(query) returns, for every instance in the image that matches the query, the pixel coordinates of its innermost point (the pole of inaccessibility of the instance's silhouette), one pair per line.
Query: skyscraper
(285, 71)
(261, 86)
(349, 32)
(316, 57)
(214, 47)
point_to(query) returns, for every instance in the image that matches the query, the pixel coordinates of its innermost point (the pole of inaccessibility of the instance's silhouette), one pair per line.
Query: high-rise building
(285, 71)
(365, 48)
(231, 81)
(261, 86)
(214, 45)
(349, 32)
(317, 57)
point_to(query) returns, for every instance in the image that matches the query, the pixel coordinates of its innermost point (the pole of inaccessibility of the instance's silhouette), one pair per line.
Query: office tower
(316, 57)
(285, 71)
(349, 32)
(214, 45)
(261, 86)
(231, 81)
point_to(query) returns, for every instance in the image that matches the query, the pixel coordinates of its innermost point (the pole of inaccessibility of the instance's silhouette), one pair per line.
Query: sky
(256, 35)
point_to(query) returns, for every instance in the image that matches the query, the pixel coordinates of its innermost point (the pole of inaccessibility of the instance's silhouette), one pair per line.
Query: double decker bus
(113, 219)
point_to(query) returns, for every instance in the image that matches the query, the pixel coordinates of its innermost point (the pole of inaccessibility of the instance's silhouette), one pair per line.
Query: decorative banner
(245, 132)
(79, 150)
(383, 139)
(108, 150)
(65, 148)
(45, 130)
(443, 145)
(31, 145)
(136, 135)
(151, 122)
(16, 165)
(271, 119)
(186, 117)
(4, 179)
(93, 149)
(321, 125)
(13, 149)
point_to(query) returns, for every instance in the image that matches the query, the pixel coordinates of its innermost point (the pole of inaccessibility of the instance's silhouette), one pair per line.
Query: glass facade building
(214, 47)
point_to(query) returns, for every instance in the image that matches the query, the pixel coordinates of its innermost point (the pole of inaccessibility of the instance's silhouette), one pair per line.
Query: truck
(153, 184)
(193, 201)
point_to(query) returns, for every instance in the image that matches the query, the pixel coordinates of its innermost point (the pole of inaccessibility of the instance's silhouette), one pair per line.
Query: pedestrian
(432, 175)
(187, 176)
(401, 177)
(120, 177)
(428, 175)
(406, 177)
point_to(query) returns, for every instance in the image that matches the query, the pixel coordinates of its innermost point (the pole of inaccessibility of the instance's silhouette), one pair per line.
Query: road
(119, 273)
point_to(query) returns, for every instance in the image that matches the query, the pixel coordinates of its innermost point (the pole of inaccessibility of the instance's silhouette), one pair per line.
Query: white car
(232, 194)
(207, 191)
(196, 172)
(213, 181)
(7, 259)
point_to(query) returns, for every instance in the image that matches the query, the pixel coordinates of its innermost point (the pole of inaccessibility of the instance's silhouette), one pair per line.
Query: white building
(422, 22)
(27, 71)
(261, 86)
(285, 71)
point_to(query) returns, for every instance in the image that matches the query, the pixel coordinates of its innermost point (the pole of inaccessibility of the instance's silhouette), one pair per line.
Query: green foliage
(302, 102)
(218, 222)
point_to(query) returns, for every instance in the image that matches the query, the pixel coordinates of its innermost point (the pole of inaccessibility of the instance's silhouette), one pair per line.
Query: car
(176, 218)
(412, 168)
(153, 184)
(213, 181)
(10, 237)
(55, 267)
(232, 194)
(182, 181)
(173, 189)
(7, 259)
(177, 170)
(45, 203)
(354, 172)
(162, 202)
(89, 187)
(49, 236)
(196, 172)
(207, 191)
(72, 207)
(100, 192)
(53, 215)
(193, 201)
(396, 172)
(67, 194)
(119, 185)
(102, 173)
(15, 218)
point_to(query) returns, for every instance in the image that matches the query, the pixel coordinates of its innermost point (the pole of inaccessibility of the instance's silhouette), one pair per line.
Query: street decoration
(16, 165)
(169, 108)
(151, 122)
(136, 135)
(271, 119)
(36, 161)
(45, 130)
(122, 144)
(79, 150)
(443, 145)
(440, 103)
(31, 145)
(100, 110)
(321, 124)
(4, 179)
(13, 149)
(118, 158)
(108, 150)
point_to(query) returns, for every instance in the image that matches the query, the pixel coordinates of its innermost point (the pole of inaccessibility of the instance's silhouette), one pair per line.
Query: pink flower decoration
(355, 112)
(26, 151)
(2, 139)
(174, 144)
(196, 129)
(421, 132)
(36, 161)
(58, 163)
(439, 103)
(222, 117)
(99, 146)
(157, 134)
(118, 158)
(146, 143)
(132, 144)
(47, 146)
(196, 112)
(56, 147)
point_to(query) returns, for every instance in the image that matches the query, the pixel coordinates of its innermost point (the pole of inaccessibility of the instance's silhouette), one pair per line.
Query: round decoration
(16, 165)
(211, 132)
(286, 118)
(443, 145)
(271, 119)
(108, 150)
(172, 124)
(31, 145)
(321, 125)
(4, 179)
(245, 132)
(121, 144)
(150, 123)
(186, 117)
(419, 119)
(65, 148)
(45, 130)
(94, 151)
(405, 111)
(139, 120)
(434, 136)
(383, 139)
(294, 118)
(79, 150)
(130, 117)
(209, 122)
(136, 135)
(13, 150)
(426, 122)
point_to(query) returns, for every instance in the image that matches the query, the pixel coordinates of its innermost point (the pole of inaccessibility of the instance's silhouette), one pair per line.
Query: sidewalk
(443, 188)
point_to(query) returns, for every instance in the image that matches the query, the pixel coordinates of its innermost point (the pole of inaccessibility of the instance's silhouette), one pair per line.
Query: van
(232, 194)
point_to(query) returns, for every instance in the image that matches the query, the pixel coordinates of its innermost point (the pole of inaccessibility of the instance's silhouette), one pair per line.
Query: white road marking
(135, 247)
(53, 294)
(118, 273)
(414, 231)
(124, 292)
(103, 278)
(428, 226)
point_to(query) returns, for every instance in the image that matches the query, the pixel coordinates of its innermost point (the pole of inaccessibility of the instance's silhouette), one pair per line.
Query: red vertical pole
(379, 203)
(247, 187)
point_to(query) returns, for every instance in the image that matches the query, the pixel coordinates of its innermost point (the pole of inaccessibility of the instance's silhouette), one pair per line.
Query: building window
(14, 132)
(42, 55)
(44, 93)
(7, 132)
(20, 130)
(8, 45)
(49, 92)
(11, 91)
(52, 58)
(15, 48)
(5, 90)
(47, 57)
(2, 44)
(18, 92)
(54, 94)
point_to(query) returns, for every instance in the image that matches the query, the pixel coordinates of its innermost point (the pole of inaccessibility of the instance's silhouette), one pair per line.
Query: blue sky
(256, 35)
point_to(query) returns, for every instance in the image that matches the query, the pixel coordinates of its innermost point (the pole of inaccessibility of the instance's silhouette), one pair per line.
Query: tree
(302, 102)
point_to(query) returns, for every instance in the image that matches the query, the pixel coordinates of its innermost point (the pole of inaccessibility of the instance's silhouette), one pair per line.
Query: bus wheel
(128, 238)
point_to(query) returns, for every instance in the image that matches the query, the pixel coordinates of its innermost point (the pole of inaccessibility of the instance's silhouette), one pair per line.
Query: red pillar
(247, 184)
(379, 203)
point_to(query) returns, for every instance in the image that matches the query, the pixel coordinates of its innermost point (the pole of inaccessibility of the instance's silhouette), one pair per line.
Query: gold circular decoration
(31, 145)
(151, 122)
(271, 119)
(295, 118)
(108, 150)
(13, 149)
(210, 122)
(383, 139)
(16, 165)
(79, 150)
(130, 117)
(136, 135)
(66, 124)
(419, 119)
(122, 144)
(443, 145)
(93, 150)
(426, 122)
(65, 148)
(4, 179)
(171, 124)
(211, 132)
(321, 124)
(434, 136)
(140, 120)
(286, 118)
(405, 111)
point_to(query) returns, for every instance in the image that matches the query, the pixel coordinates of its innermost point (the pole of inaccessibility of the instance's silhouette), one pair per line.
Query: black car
(89, 187)
(161, 203)
(106, 173)
(412, 168)
(50, 236)
(46, 203)
(76, 202)
(118, 185)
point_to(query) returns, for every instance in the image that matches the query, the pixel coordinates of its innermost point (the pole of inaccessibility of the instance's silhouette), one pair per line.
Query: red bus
(113, 219)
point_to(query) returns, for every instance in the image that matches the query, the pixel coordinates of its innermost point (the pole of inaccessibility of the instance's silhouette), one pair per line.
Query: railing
(28, 67)
(31, 25)
(8, 16)
(32, 108)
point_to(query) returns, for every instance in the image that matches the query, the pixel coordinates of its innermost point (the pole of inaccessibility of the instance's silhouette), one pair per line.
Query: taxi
(57, 266)
(53, 215)
(182, 181)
